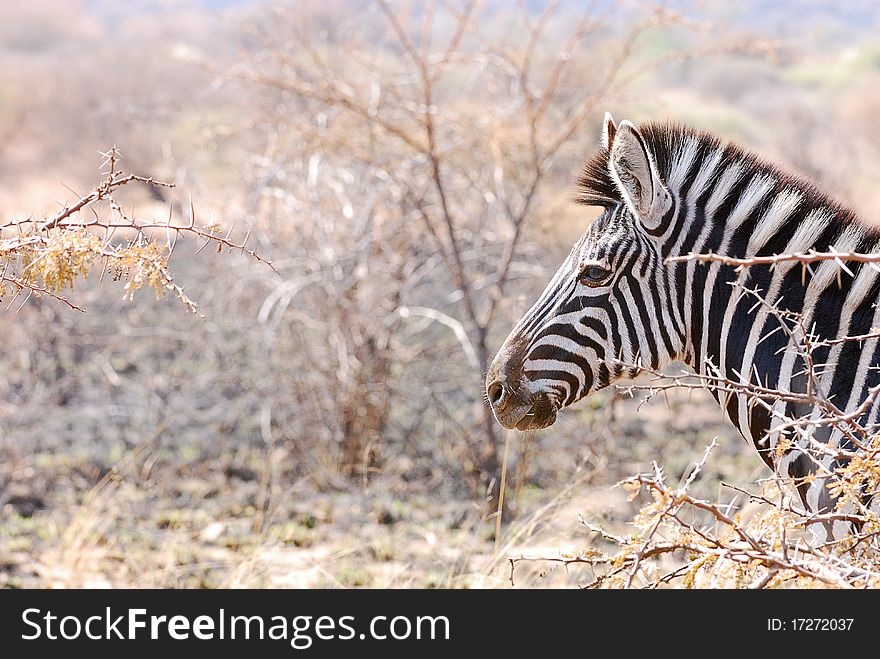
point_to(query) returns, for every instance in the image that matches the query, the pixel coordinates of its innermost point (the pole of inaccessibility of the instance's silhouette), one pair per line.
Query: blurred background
(408, 168)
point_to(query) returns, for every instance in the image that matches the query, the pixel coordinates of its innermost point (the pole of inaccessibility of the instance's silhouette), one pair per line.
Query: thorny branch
(45, 257)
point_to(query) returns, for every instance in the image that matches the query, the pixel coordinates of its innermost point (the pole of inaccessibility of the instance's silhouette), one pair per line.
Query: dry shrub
(403, 174)
(681, 540)
(46, 257)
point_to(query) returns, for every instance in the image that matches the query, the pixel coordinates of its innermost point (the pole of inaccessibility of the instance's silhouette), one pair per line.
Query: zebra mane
(667, 141)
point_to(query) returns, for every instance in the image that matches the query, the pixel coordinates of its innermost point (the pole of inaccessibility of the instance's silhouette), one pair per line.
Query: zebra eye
(594, 275)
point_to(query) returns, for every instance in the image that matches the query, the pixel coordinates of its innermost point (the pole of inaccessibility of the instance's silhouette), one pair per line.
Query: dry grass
(162, 518)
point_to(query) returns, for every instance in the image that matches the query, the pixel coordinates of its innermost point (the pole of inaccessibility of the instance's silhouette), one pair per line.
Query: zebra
(618, 305)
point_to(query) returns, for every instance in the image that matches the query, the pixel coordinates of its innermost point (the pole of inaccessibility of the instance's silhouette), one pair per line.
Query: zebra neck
(729, 319)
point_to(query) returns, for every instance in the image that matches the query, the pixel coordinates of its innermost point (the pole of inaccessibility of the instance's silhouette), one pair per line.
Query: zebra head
(607, 309)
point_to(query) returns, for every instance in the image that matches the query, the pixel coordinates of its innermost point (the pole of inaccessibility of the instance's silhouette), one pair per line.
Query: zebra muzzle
(513, 410)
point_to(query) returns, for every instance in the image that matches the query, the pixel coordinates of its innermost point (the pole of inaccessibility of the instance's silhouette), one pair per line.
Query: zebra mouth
(541, 414)
(535, 414)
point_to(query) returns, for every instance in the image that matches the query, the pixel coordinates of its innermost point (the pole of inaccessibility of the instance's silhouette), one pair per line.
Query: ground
(156, 517)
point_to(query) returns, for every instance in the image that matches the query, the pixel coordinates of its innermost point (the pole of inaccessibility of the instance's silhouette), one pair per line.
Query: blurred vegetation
(408, 173)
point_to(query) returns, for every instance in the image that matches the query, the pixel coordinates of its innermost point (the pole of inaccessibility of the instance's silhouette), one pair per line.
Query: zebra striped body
(616, 303)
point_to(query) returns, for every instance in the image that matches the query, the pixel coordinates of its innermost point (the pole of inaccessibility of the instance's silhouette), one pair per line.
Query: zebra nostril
(496, 392)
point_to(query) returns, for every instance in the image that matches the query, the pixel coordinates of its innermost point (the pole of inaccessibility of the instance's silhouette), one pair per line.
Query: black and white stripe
(670, 191)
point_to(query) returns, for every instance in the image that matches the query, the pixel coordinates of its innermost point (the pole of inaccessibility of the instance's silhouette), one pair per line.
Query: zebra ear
(633, 170)
(608, 131)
